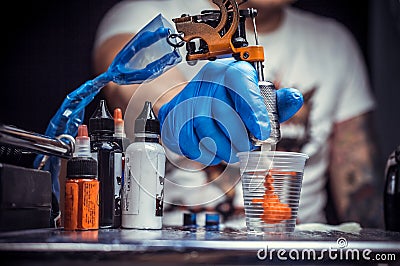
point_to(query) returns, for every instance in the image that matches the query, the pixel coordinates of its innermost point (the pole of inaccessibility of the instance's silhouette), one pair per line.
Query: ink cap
(101, 120)
(189, 219)
(147, 121)
(82, 142)
(212, 221)
(82, 165)
(119, 125)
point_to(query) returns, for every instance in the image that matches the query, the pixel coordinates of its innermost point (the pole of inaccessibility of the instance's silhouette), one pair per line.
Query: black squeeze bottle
(108, 154)
(392, 192)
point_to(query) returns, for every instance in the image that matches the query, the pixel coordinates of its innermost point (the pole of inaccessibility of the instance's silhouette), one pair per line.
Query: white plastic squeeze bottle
(143, 191)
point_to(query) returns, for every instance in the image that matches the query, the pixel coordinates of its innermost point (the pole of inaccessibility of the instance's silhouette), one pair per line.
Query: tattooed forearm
(356, 172)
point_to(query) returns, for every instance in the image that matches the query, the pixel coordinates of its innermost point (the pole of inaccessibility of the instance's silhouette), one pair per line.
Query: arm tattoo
(356, 172)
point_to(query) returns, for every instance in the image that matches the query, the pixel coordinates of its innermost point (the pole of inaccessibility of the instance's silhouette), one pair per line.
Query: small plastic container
(271, 182)
(189, 220)
(212, 222)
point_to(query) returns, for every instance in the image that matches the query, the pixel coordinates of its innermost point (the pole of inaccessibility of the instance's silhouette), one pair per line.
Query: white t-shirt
(316, 55)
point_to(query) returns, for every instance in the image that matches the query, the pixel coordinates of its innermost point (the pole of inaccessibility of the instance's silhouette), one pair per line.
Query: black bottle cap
(147, 121)
(397, 154)
(101, 121)
(81, 167)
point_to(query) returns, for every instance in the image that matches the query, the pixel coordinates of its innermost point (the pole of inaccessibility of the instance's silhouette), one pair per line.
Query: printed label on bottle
(71, 206)
(160, 185)
(81, 204)
(160, 197)
(118, 181)
(131, 190)
(90, 205)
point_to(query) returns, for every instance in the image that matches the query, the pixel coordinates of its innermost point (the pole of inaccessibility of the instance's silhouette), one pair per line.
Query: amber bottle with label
(81, 210)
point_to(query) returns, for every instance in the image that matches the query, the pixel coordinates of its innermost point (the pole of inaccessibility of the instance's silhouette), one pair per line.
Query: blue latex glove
(212, 118)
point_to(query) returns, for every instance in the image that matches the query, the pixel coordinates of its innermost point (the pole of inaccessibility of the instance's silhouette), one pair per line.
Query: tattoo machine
(217, 33)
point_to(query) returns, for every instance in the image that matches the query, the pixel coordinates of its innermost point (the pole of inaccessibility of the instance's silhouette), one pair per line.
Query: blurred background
(48, 54)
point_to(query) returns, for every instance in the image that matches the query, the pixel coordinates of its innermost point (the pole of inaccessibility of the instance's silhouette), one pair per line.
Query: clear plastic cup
(271, 182)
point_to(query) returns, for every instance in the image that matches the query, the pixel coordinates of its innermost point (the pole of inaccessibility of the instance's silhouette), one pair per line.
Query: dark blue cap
(189, 219)
(212, 219)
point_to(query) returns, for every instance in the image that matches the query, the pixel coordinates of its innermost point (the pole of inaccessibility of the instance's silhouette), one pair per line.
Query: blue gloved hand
(212, 118)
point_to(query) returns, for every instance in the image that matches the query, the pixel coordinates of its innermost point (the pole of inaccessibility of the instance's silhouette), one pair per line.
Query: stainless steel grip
(268, 92)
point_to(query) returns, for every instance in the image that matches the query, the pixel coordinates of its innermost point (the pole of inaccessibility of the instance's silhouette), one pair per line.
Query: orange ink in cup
(274, 210)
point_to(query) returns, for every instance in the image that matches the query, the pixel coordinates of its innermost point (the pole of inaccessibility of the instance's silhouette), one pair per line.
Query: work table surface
(177, 245)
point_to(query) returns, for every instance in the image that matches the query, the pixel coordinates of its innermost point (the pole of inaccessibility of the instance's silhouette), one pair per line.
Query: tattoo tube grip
(268, 92)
